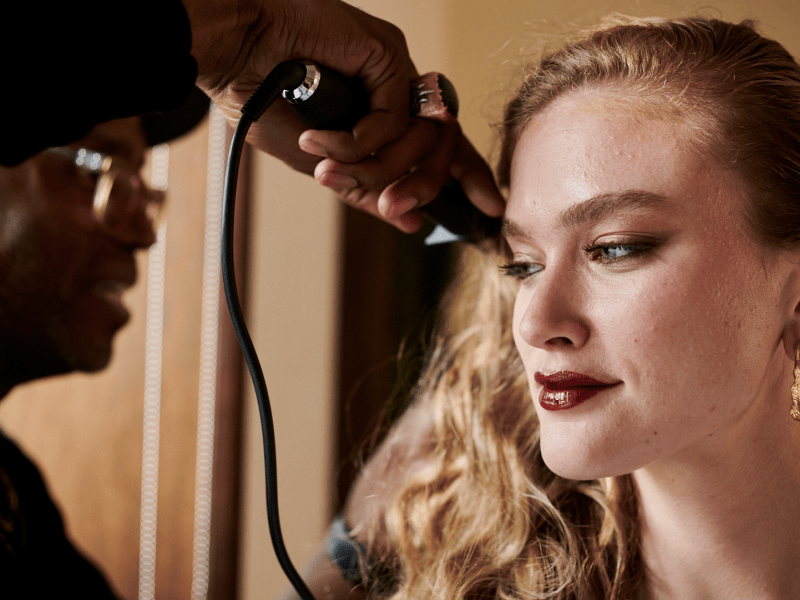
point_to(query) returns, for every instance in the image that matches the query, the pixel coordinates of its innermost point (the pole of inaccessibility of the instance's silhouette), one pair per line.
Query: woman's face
(650, 324)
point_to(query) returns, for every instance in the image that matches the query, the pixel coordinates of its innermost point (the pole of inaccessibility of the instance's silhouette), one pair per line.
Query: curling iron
(323, 99)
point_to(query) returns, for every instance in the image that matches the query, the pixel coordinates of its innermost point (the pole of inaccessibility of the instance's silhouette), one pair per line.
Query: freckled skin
(695, 324)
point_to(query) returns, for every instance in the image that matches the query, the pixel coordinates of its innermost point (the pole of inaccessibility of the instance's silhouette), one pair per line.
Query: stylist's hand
(237, 43)
(408, 173)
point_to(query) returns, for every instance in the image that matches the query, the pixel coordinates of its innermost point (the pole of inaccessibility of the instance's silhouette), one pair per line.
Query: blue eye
(610, 253)
(521, 270)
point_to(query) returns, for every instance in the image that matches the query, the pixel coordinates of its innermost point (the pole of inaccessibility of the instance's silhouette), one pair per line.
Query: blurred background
(157, 462)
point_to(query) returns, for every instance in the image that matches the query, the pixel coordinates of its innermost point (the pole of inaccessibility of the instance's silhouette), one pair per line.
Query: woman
(609, 417)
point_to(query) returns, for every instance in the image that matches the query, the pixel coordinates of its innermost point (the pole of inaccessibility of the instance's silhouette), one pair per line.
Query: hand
(237, 44)
(409, 173)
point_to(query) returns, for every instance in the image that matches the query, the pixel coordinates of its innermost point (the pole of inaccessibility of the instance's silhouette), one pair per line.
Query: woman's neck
(720, 520)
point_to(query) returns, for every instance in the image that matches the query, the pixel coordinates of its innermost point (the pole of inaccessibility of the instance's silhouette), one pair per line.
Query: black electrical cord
(286, 75)
(331, 102)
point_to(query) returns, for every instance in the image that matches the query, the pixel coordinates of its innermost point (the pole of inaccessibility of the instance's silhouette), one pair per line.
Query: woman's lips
(564, 389)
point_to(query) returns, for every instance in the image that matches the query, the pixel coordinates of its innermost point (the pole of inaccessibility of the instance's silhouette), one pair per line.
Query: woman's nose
(552, 310)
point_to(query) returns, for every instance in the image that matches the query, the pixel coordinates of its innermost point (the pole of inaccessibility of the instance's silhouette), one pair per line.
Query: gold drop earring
(795, 412)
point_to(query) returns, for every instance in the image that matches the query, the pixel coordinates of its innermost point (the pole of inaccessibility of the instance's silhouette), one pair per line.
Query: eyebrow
(595, 209)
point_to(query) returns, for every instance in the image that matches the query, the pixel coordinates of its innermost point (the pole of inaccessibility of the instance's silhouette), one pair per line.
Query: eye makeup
(520, 270)
(616, 252)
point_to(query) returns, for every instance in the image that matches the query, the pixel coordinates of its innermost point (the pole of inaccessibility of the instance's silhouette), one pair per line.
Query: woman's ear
(791, 330)
(790, 344)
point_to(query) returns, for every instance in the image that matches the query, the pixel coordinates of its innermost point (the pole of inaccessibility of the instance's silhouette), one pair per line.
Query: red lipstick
(564, 389)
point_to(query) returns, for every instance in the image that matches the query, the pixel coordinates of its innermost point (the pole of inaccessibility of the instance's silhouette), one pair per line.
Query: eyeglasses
(119, 195)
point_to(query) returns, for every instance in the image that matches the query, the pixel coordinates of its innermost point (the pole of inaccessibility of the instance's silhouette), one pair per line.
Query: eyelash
(636, 250)
(519, 270)
(522, 270)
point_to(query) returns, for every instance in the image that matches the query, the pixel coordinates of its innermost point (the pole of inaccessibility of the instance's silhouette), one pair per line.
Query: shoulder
(19, 469)
(408, 448)
(407, 451)
(36, 557)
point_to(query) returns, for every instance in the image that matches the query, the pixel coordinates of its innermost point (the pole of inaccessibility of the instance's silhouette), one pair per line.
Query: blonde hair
(737, 91)
(488, 519)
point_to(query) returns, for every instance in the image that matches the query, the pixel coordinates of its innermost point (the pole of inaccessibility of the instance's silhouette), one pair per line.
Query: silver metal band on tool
(305, 90)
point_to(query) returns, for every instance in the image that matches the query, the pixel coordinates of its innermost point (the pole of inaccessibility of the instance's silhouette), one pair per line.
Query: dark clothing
(71, 65)
(36, 558)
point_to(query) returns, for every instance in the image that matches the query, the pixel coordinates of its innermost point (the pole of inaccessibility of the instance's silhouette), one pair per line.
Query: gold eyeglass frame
(107, 170)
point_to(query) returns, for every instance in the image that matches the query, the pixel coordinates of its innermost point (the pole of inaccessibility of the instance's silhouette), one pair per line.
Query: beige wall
(291, 310)
(489, 40)
(478, 44)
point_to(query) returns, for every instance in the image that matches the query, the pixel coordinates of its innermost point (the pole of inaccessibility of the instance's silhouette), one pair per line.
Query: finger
(367, 201)
(328, 177)
(272, 130)
(476, 179)
(423, 184)
(371, 133)
(387, 120)
(389, 103)
(390, 162)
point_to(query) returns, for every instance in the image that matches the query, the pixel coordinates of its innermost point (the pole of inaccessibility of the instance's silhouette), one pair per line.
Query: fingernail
(337, 181)
(401, 206)
(312, 147)
(409, 223)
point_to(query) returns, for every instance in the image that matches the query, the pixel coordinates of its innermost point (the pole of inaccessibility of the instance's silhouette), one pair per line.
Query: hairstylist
(70, 66)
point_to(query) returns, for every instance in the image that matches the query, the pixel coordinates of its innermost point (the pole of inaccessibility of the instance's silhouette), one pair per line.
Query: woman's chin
(581, 464)
(574, 470)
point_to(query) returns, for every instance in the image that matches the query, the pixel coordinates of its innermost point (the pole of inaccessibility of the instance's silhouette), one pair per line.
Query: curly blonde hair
(487, 518)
